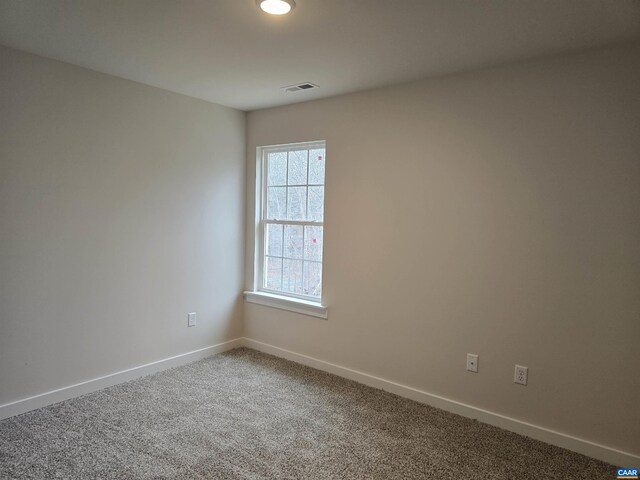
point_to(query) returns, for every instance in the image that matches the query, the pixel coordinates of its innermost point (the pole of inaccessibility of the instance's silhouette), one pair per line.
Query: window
(290, 231)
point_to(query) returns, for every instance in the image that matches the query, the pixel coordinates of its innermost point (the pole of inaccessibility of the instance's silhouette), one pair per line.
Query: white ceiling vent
(299, 87)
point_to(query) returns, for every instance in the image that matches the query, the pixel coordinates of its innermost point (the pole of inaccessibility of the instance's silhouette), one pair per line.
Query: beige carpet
(246, 415)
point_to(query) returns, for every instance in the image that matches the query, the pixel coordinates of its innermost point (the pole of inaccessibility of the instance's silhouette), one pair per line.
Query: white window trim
(303, 304)
(297, 305)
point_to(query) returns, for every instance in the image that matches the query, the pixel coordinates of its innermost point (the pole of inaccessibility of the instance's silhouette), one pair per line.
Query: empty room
(320, 239)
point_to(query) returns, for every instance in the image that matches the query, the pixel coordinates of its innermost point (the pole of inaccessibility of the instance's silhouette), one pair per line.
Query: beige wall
(494, 212)
(121, 209)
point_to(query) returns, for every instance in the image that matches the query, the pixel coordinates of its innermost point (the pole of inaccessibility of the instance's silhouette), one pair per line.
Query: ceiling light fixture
(276, 7)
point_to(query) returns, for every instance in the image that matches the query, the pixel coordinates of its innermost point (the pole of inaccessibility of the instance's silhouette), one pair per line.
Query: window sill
(304, 307)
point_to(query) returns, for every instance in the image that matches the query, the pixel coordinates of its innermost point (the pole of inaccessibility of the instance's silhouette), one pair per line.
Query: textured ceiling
(229, 52)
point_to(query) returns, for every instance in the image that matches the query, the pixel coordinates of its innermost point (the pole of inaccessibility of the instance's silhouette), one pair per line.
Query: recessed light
(276, 7)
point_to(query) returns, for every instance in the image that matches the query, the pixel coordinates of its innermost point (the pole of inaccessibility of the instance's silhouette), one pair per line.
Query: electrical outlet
(472, 362)
(521, 374)
(191, 319)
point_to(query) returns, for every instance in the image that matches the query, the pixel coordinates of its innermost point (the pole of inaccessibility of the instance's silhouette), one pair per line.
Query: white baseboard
(82, 388)
(585, 447)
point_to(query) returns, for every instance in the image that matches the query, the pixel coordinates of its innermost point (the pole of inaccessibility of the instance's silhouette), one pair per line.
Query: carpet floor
(246, 415)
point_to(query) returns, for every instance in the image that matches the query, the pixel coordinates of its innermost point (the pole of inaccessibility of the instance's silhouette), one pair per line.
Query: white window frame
(298, 303)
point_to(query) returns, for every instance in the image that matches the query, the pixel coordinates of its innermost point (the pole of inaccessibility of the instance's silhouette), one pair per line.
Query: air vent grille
(300, 86)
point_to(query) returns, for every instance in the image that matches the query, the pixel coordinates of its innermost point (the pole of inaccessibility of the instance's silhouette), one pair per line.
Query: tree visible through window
(292, 219)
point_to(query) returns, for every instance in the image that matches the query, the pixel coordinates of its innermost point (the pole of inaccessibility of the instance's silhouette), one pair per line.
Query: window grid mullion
(282, 259)
(282, 265)
(311, 223)
(303, 233)
(307, 185)
(301, 185)
(286, 191)
(290, 258)
(286, 214)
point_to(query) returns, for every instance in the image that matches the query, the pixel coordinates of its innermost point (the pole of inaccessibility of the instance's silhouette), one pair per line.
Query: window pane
(277, 173)
(294, 197)
(292, 276)
(276, 203)
(273, 273)
(316, 204)
(274, 240)
(297, 203)
(313, 243)
(312, 282)
(316, 166)
(298, 168)
(293, 241)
